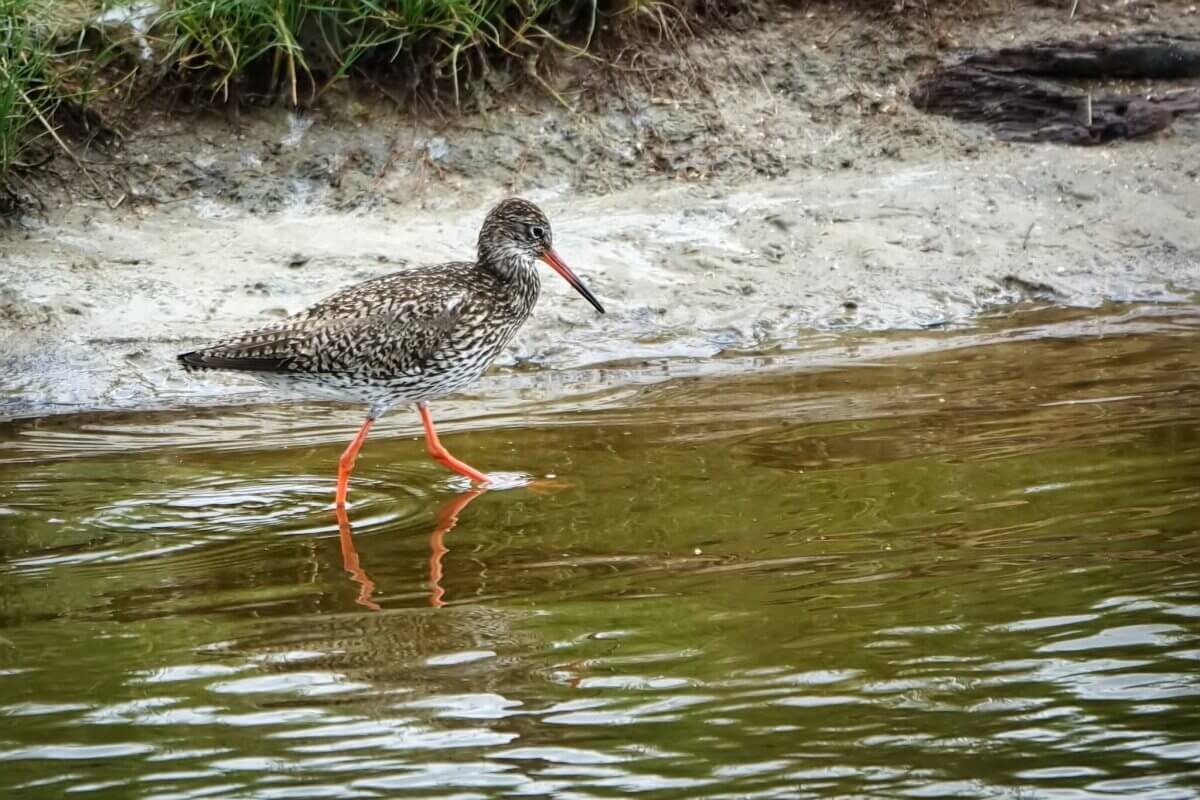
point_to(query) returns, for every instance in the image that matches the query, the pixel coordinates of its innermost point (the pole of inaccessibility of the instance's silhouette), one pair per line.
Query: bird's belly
(377, 391)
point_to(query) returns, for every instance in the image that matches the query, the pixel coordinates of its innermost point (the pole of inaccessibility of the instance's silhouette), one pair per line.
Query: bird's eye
(537, 232)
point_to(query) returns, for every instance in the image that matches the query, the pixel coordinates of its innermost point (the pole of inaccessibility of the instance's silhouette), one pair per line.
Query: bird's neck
(517, 279)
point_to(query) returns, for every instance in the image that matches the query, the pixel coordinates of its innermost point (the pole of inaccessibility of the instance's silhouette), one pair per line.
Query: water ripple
(969, 576)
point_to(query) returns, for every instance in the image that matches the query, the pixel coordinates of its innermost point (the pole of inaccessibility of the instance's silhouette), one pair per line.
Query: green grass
(45, 68)
(54, 55)
(293, 48)
(25, 92)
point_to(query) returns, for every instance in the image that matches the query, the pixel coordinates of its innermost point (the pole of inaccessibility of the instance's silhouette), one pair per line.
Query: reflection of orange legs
(346, 463)
(447, 518)
(351, 565)
(440, 454)
(575, 669)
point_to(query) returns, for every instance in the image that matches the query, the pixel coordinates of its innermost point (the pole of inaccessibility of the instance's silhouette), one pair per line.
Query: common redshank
(408, 337)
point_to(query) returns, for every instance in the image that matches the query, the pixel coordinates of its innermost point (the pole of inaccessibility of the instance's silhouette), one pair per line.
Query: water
(944, 565)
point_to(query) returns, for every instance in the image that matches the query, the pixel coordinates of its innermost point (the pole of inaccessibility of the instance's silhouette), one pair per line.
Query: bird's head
(515, 234)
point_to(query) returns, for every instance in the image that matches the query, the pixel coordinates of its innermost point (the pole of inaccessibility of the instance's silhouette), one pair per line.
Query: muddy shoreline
(768, 194)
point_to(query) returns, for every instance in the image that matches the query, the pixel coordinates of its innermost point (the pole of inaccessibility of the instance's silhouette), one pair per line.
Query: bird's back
(416, 324)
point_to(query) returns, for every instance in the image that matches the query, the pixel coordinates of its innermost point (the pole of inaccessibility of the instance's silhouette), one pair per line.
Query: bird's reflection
(446, 519)
(350, 564)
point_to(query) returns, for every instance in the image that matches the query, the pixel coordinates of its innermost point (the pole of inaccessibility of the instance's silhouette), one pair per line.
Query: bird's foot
(502, 481)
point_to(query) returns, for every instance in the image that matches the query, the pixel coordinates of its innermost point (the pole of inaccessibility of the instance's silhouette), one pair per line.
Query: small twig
(519, 172)
(770, 95)
(1029, 230)
(45, 160)
(1074, 5)
(834, 33)
(428, 161)
(393, 156)
(54, 135)
(558, 97)
(1089, 109)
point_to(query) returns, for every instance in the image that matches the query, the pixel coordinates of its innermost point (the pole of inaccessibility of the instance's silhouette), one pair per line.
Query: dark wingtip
(206, 359)
(192, 359)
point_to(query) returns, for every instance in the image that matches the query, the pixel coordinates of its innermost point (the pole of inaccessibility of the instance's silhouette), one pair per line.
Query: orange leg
(440, 454)
(346, 462)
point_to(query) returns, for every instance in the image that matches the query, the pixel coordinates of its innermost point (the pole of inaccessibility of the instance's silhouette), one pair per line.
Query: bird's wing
(397, 338)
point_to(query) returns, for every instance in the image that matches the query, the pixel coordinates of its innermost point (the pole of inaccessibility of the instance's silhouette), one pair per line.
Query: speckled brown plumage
(400, 338)
(410, 336)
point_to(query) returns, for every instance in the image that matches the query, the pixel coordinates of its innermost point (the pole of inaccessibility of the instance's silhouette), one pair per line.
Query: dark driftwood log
(1028, 109)
(994, 87)
(1151, 56)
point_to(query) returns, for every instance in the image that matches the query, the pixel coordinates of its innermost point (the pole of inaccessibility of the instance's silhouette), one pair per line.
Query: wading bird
(408, 337)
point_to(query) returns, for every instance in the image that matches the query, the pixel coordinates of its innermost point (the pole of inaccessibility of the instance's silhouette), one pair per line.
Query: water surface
(947, 565)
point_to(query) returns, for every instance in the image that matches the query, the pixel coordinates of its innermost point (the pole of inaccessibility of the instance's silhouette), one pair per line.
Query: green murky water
(970, 572)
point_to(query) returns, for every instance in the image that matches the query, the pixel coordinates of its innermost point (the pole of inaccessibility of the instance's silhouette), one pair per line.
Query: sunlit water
(970, 572)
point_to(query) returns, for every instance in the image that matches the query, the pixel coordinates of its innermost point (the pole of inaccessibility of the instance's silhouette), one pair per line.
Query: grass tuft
(25, 92)
(60, 60)
(294, 49)
(45, 81)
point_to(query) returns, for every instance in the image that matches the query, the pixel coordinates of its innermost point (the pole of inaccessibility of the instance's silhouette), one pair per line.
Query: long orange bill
(551, 258)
